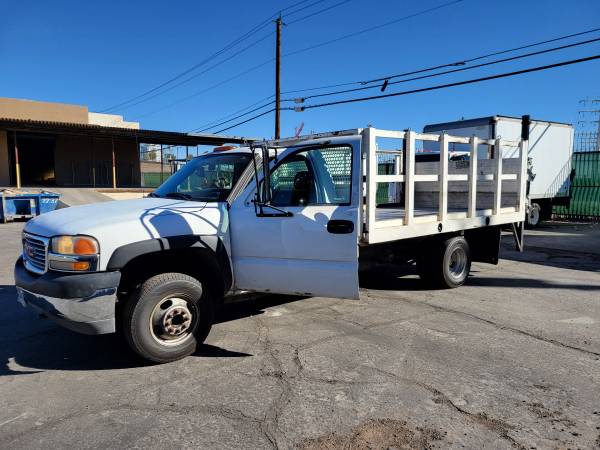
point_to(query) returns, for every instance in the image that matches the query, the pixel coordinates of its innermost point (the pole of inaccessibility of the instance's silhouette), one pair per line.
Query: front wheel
(167, 317)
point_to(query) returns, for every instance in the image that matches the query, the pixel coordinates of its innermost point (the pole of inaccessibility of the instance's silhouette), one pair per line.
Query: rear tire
(534, 215)
(446, 265)
(167, 317)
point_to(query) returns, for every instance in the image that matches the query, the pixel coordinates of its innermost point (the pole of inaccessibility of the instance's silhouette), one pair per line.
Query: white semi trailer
(294, 216)
(550, 152)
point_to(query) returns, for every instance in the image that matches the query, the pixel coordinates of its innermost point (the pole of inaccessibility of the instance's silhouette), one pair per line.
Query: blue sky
(103, 53)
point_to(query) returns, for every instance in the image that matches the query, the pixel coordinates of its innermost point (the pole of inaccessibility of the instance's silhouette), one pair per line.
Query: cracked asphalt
(510, 360)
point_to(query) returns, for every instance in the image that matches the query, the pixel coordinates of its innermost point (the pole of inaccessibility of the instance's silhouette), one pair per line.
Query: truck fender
(210, 244)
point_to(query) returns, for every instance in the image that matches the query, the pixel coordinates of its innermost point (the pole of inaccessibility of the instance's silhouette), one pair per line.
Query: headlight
(74, 253)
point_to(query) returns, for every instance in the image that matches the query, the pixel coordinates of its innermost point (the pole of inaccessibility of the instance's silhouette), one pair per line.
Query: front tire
(167, 317)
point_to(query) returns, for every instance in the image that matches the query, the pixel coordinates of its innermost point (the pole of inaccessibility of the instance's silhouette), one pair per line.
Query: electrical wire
(373, 28)
(458, 83)
(212, 122)
(501, 52)
(442, 66)
(209, 88)
(490, 63)
(232, 44)
(426, 89)
(246, 121)
(239, 52)
(238, 116)
(319, 12)
(187, 80)
(291, 13)
(270, 60)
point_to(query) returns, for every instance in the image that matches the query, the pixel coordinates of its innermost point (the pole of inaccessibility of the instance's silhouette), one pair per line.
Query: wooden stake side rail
(409, 225)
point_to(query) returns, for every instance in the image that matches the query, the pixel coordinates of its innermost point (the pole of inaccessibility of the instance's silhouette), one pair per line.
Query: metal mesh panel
(338, 162)
(283, 177)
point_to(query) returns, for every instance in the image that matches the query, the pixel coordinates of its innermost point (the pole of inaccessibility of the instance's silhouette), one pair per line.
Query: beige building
(57, 144)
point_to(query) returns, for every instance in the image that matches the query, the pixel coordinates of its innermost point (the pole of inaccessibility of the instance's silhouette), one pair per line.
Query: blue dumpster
(16, 204)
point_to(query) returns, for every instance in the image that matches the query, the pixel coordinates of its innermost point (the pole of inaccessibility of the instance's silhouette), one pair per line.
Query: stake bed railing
(441, 220)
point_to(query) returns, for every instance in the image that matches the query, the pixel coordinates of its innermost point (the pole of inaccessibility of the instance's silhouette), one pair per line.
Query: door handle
(340, 226)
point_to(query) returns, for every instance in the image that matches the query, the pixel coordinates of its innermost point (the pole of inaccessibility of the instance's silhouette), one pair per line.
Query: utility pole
(278, 24)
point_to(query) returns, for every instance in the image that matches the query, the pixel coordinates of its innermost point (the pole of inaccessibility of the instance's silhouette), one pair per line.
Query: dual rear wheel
(445, 264)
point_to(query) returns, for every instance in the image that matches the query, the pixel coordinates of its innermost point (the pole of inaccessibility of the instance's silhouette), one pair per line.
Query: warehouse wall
(33, 110)
(80, 160)
(4, 161)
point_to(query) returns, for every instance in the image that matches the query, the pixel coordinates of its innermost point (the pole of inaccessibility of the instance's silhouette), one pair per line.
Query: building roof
(142, 136)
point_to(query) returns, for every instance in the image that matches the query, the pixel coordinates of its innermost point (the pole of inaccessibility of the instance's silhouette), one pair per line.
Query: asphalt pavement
(510, 360)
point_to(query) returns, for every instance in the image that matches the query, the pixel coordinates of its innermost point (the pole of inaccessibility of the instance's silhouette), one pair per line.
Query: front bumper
(83, 302)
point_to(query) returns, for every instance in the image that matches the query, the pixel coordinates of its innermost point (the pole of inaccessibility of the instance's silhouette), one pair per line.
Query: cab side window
(317, 176)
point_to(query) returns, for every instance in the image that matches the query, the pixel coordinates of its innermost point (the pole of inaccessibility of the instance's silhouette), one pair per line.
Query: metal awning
(142, 136)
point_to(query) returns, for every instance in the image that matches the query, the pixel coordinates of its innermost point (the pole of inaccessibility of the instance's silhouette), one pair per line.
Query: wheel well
(199, 263)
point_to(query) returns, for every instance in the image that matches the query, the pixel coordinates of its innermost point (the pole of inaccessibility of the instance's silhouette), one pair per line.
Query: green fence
(585, 188)
(152, 179)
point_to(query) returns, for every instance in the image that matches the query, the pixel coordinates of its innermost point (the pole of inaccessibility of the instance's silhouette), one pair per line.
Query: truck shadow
(403, 278)
(29, 345)
(388, 277)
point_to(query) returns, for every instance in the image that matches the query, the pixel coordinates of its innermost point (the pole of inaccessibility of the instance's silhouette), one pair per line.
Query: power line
(490, 63)
(206, 60)
(350, 83)
(373, 28)
(186, 80)
(185, 72)
(431, 88)
(458, 83)
(291, 13)
(318, 12)
(268, 61)
(209, 88)
(212, 122)
(246, 121)
(238, 115)
(442, 66)
(560, 38)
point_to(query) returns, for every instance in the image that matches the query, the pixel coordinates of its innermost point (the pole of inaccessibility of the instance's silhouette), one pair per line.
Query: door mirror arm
(260, 212)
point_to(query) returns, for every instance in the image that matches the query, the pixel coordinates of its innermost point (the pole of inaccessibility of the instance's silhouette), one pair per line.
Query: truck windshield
(208, 178)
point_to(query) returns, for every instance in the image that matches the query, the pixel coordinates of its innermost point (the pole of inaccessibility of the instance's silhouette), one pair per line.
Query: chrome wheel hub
(458, 263)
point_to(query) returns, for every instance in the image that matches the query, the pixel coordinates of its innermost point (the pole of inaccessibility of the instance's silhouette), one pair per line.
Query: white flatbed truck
(156, 267)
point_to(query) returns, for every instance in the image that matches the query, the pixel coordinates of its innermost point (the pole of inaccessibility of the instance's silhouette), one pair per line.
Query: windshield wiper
(180, 195)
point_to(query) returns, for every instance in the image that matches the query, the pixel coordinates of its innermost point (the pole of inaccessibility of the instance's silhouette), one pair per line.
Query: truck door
(313, 250)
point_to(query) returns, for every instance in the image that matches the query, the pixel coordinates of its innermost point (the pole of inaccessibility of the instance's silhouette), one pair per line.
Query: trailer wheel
(167, 317)
(534, 215)
(446, 265)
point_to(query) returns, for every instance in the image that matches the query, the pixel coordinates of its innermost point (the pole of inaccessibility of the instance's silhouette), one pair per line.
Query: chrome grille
(35, 252)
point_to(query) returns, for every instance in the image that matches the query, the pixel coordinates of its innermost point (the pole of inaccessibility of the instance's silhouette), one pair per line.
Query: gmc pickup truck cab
(155, 267)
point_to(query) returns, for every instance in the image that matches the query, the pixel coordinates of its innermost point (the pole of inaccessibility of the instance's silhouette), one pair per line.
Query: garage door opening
(36, 159)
